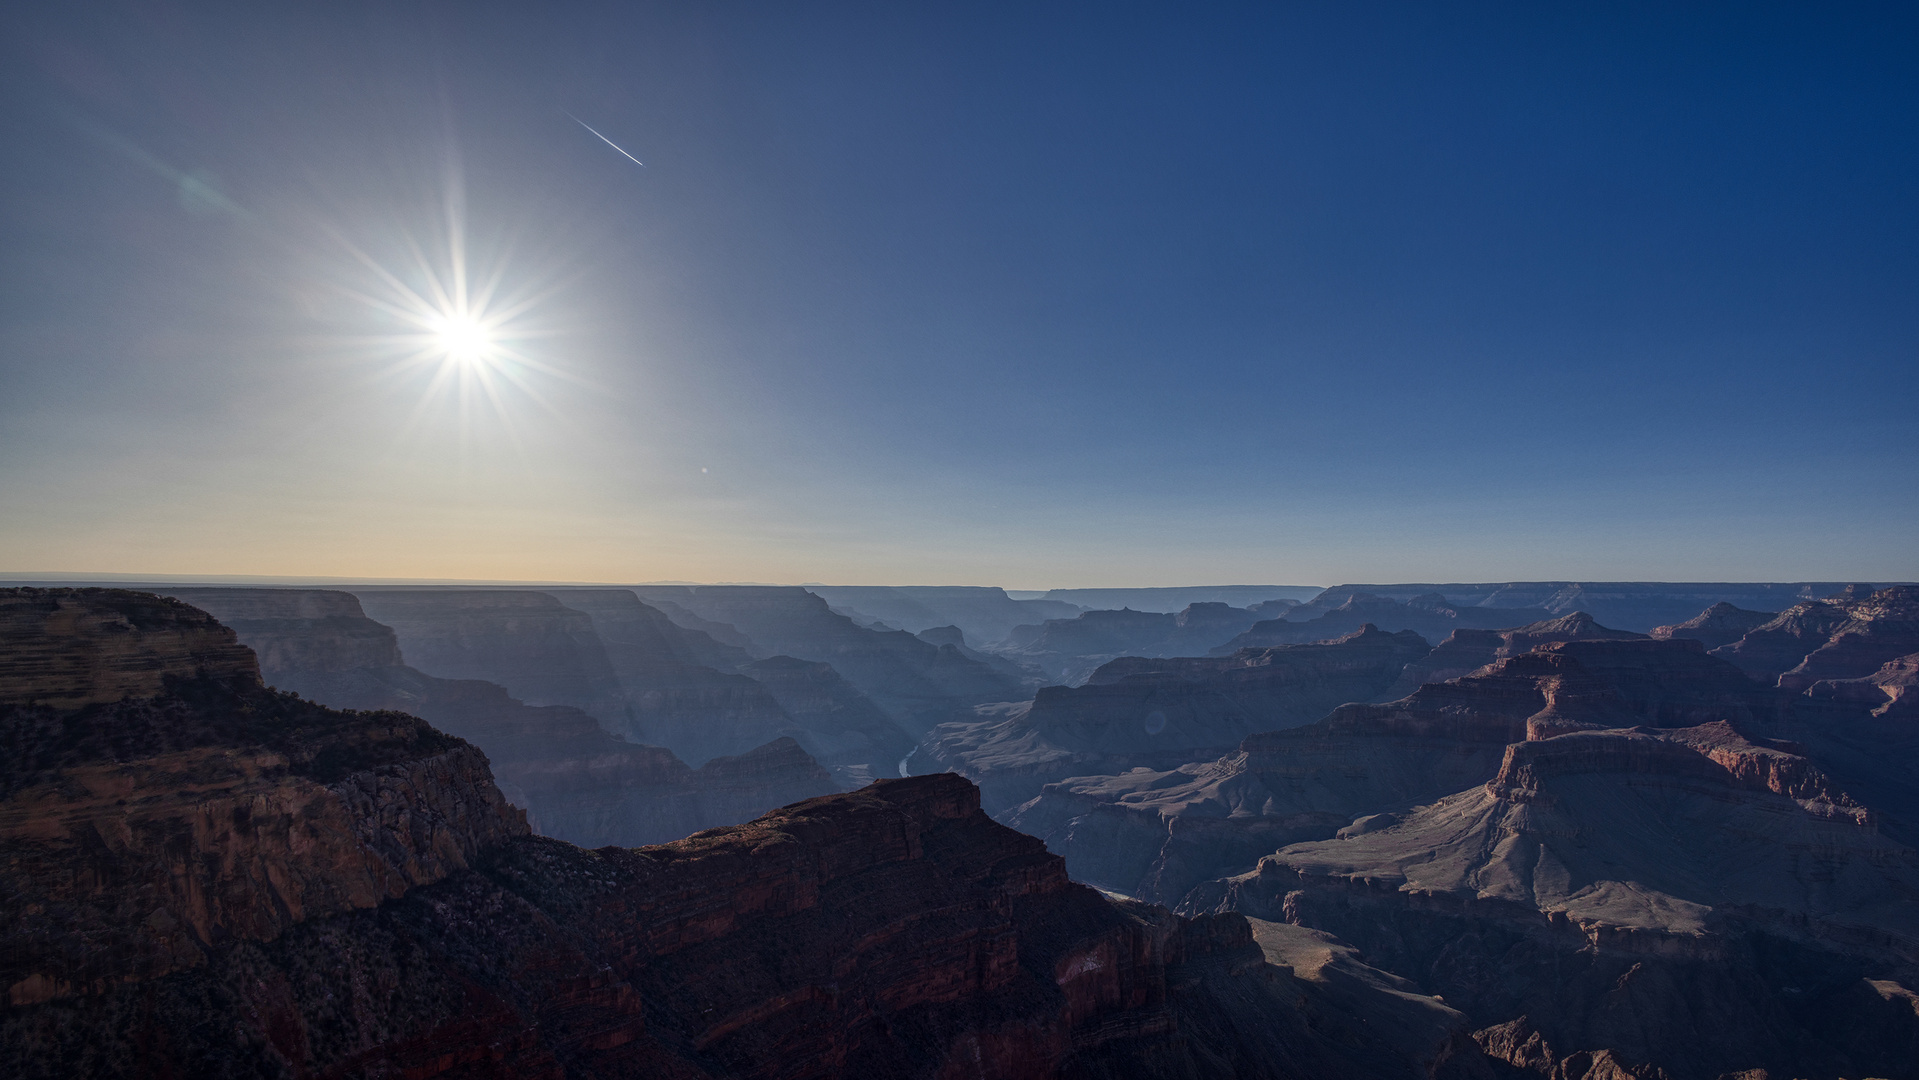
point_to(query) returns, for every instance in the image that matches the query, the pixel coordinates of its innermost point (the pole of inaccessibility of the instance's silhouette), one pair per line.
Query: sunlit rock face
(1694, 899)
(1161, 713)
(916, 683)
(1891, 693)
(577, 780)
(222, 880)
(1157, 833)
(1846, 636)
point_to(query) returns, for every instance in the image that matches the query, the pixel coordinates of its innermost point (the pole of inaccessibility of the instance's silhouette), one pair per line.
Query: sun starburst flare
(453, 331)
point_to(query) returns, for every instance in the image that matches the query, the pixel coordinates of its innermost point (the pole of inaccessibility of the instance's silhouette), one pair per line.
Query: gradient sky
(1034, 294)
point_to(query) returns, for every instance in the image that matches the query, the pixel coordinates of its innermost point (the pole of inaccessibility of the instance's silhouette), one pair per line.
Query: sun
(462, 338)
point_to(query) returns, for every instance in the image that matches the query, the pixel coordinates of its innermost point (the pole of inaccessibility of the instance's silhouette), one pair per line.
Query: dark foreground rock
(213, 879)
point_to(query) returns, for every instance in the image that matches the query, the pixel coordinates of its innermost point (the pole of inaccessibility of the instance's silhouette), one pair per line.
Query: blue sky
(1040, 295)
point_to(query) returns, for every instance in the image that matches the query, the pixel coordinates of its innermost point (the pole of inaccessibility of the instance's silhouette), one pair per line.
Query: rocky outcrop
(985, 615)
(1161, 713)
(839, 724)
(1069, 650)
(1693, 900)
(918, 684)
(1892, 692)
(1634, 605)
(634, 795)
(69, 647)
(137, 834)
(1878, 629)
(542, 651)
(1173, 598)
(636, 635)
(1431, 616)
(577, 780)
(1845, 636)
(249, 884)
(1466, 651)
(1720, 624)
(1157, 833)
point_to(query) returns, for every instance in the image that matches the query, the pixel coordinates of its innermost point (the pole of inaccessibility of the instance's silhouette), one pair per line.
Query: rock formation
(916, 683)
(1069, 650)
(1634, 605)
(1892, 692)
(1720, 624)
(1161, 713)
(542, 651)
(1694, 900)
(578, 781)
(1846, 636)
(841, 725)
(1156, 833)
(1466, 651)
(222, 880)
(1172, 599)
(1431, 616)
(985, 615)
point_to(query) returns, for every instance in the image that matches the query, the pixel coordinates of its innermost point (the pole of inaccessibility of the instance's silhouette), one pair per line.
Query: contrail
(605, 140)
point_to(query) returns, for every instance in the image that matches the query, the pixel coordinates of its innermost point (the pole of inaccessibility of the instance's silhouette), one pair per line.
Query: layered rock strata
(1691, 900)
(578, 781)
(1156, 833)
(1466, 651)
(221, 880)
(917, 684)
(1431, 616)
(1720, 624)
(1161, 713)
(1845, 636)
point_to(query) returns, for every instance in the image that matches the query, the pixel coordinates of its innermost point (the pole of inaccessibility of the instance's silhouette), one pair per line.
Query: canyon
(215, 878)
(1553, 844)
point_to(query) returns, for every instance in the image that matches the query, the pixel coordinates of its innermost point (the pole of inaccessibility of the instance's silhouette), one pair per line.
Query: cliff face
(1720, 624)
(1157, 833)
(985, 615)
(220, 880)
(1161, 713)
(542, 651)
(1467, 650)
(71, 647)
(1846, 636)
(578, 781)
(1068, 650)
(1692, 899)
(918, 684)
(1634, 605)
(1892, 692)
(137, 834)
(1431, 616)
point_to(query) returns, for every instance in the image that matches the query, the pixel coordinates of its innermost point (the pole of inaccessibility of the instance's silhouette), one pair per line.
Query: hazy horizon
(1072, 294)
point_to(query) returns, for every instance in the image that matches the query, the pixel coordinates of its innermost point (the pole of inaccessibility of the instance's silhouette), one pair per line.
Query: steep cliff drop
(1141, 713)
(577, 781)
(203, 877)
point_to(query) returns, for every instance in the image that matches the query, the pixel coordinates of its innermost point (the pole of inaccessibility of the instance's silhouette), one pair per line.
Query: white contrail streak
(605, 140)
